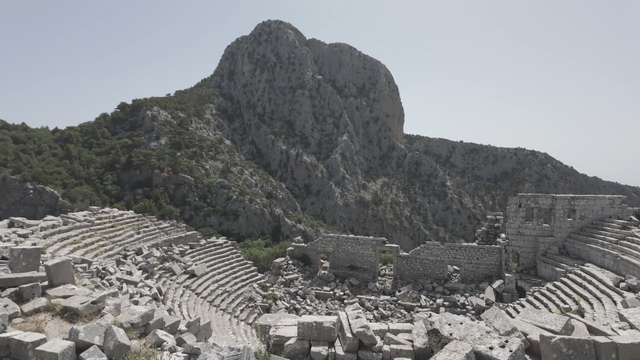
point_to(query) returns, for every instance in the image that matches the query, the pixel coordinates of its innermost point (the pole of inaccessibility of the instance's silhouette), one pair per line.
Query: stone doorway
(387, 258)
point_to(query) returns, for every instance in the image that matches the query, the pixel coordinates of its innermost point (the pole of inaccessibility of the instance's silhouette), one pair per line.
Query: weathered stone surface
(93, 353)
(193, 325)
(66, 291)
(116, 343)
(318, 328)
(29, 291)
(4, 320)
(341, 354)
(556, 324)
(401, 351)
(489, 296)
(83, 305)
(156, 323)
(630, 302)
(265, 322)
(56, 349)
(34, 306)
(632, 316)
(11, 308)
(59, 272)
(136, 316)
(14, 280)
(171, 323)
(421, 337)
(486, 342)
(628, 346)
(24, 259)
(455, 350)
(366, 354)
(360, 326)
(296, 347)
(605, 348)
(532, 334)
(23, 346)
(558, 347)
(497, 319)
(159, 337)
(348, 341)
(319, 350)
(205, 331)
(186, 338)
(279, 334)
(86, 336)
(199, 270)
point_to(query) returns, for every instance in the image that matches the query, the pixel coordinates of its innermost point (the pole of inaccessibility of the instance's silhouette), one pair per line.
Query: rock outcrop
(29, 200)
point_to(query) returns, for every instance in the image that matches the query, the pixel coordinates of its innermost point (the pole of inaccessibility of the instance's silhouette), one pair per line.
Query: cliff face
(290, 134)
(29, 200)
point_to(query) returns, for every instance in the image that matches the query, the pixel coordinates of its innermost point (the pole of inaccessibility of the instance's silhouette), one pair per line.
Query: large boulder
(24, 258)
(116, 343)
(86, 336)
(23, 346)
(59, 272)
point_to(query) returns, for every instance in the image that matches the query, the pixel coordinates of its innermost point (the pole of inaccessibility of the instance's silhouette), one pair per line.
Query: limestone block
(4, 319)
(171, 323)
(59, 272)
(199, 270)
(455, 350)
(632, 316)
(379, 329)
(421, 338)
(29, 291)
(93, 353)
(532, 334)
(341, 354)
(366, 354)
(23, 346)
(489, 296)
(135, 316)
(205, 331)
(56, 350)
(83, 305)
(399, 328)
(159, 337)
(24, 258)
(156, 323)
(319, 350)
(280, 334)
(296, 347)
(318, 328)
(628, 346)
(116, 343)
(630, 302)
(265, 322)
(348, 341)
(401, 351)
(558, 347)
(605, 348)
(186, 338)
(360, 326)
(34, 306)
(66, 291)
(11, 308)
(579, 329)
(193, 325)
(556, 324)
(86, 336)
(17, 279)
(498, 285)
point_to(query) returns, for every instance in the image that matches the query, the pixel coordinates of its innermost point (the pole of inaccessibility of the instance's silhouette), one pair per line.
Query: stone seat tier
(610, 308)
(548, 304)
(78, 231)
(622, 250)
(599, 313)
(97, 239)
(602, 288)
(226, 275)
(588, 310)
(564, 299)
(102, 248)
(218, 271)
(204, 250)
(603, 231)
(601, 277)
(67, 228)
(237, 296)
(605, 256)
(535, 303)
(223, 257)
(146, 240)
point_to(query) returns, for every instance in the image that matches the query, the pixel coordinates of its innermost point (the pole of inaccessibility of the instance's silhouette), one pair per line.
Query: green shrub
(263, 252)
(386, 258)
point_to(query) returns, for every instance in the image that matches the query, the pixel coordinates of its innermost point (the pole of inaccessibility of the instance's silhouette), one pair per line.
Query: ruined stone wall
(346, 254)
(430, 260)
(537, 221)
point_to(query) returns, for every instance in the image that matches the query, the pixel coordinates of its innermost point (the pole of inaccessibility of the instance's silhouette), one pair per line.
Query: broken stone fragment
(556, 324)
(116, 343)
(34, 306)
(296, 347)
(455, 350)
(135, 316)
(360, 326)
(558, 347)
(29, 291)
(86, 336)
(349, 342)
(84, 305)
(159, 337)
(93, 353)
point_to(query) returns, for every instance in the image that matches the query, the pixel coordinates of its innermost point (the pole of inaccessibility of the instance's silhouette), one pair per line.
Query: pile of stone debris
(347, 335)
(302, 291)
(492, 230)
(120, 296)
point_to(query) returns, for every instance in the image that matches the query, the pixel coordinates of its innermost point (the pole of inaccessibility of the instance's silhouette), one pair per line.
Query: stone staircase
(600, 251)
(220, 295)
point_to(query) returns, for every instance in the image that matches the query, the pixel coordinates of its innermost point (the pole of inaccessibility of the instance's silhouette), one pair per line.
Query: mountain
(289, 137)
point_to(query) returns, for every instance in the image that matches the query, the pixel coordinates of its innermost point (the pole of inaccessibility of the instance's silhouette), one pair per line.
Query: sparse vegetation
(263, 252)
(578, 310)
(437, 341)
(386, 258)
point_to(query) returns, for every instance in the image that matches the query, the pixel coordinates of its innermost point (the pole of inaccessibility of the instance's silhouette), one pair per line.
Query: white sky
(561, 77)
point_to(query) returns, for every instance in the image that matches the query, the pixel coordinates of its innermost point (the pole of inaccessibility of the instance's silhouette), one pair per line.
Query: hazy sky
(561, 77)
